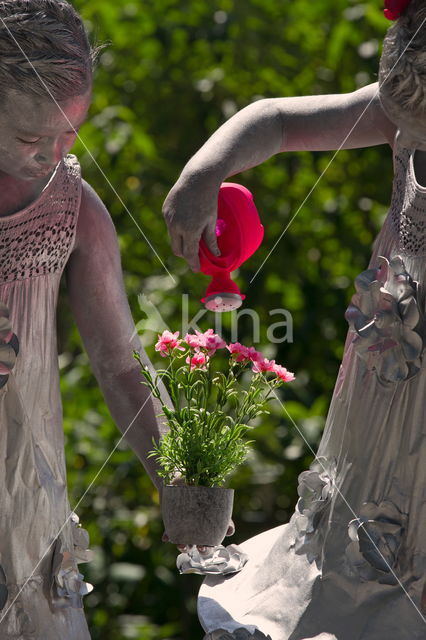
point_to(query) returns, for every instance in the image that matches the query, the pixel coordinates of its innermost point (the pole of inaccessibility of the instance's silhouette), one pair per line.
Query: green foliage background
(172, 72)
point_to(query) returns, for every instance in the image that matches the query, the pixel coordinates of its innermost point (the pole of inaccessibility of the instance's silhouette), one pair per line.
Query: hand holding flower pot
(206, 441)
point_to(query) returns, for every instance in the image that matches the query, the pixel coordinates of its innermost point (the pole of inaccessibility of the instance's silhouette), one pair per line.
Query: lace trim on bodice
(38, 239)
(407, 214)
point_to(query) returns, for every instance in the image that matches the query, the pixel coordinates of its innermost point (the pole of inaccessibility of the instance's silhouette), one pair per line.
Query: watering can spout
(239, 233)
(222, 294)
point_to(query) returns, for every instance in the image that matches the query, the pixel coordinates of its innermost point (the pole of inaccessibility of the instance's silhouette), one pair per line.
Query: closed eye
(28, 141)
(69, 134)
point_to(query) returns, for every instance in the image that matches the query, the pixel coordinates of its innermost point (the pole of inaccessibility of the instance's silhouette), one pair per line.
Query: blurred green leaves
(171, 73)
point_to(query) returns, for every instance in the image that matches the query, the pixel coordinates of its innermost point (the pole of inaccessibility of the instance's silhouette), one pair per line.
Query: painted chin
(26, 173)
(34, 174)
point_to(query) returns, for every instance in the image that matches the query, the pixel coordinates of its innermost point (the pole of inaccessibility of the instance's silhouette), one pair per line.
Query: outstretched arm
(254, 134)
(100, 308)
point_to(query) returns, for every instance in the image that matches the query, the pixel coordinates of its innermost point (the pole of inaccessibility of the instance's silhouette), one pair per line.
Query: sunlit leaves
(173, 72)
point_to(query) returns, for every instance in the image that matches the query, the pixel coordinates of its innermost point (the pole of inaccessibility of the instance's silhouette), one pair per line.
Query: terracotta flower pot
(196, 515)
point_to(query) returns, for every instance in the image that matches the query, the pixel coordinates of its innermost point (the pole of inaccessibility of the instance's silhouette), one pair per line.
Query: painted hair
(402, 73)
(44, 39)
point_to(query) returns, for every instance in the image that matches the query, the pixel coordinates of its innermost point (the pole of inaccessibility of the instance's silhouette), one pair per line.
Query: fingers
(190, 253)
(181, 547)
(7, 358)
(6, 332)
(176, 241)
(187, 250)
(202, 549)
(191, 246)
(188, 213)
(210, 238)
(231, 528)
(175, 235)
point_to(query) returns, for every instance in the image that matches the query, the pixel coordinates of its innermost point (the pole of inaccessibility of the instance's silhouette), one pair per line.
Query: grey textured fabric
(351, 563)
(40, 540)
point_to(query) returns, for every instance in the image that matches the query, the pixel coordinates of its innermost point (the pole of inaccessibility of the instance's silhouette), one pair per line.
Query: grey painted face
(35, 134)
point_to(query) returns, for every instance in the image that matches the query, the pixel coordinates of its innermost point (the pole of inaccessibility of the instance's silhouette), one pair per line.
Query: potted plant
(213, 406)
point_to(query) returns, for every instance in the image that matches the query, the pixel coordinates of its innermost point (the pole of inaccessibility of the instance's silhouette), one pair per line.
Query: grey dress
(351, 563)
(40, 539)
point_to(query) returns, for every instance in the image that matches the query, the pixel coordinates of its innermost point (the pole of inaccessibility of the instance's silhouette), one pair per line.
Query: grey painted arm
(101, 311)
(257, 132)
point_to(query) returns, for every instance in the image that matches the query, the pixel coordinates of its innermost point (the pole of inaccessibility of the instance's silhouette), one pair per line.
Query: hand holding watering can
(239, 233)
(236, 232)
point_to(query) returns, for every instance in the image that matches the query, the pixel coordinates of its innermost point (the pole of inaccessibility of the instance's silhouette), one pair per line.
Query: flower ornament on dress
(376, 538)
(315, 488)
(395, 8)
(238, 634)
(384, 314)
(211, 560)
(9, 345)
(68, 586)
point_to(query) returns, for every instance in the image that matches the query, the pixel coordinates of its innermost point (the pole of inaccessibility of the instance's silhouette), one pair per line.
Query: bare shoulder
(367, 100)
(94, 224)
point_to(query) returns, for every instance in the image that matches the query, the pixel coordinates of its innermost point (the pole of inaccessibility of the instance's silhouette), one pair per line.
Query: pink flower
(286, 376)
(207, 340)
(253, 355)
(197, 361)
(261, 366)
(194, 341)
(167, 342)
(241, 353)
(238, 351)
(212, 342)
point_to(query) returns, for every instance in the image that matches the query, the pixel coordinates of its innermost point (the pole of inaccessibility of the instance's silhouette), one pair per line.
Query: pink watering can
(239, 233)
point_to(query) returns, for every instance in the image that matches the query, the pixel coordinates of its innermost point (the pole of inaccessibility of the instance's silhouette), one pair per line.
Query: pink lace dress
(40, 539)
(351, 563)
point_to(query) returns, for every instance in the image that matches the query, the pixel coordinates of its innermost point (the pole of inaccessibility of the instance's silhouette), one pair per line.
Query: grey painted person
(351, 563)
(52, 223)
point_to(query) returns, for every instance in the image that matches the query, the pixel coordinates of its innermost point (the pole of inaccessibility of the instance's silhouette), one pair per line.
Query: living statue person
(51, 222)
(351, 563)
